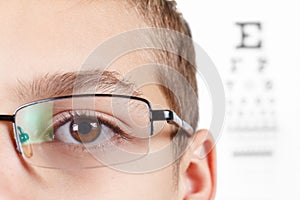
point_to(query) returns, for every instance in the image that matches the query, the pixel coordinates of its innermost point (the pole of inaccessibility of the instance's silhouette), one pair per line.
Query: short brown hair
(164, 14)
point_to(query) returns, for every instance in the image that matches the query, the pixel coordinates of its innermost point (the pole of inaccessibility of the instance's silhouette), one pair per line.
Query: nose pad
(27, 150)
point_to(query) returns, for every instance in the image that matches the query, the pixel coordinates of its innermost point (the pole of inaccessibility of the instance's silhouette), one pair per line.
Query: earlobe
(199, 172)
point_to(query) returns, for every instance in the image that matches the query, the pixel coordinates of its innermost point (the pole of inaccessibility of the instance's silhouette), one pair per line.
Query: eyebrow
(83, 82)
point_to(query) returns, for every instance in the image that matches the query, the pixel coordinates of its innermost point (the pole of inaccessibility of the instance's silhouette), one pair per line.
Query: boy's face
(39, 38)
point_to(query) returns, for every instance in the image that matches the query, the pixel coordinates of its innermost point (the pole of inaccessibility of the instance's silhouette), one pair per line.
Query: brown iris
(85, 129)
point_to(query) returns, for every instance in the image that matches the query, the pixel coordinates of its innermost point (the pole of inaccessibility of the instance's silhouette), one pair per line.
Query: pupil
(84, 128)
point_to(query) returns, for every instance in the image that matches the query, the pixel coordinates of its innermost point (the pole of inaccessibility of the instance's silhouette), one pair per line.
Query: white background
(213, 27)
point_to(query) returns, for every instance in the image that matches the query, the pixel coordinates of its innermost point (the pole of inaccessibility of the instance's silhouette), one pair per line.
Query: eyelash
(64, 117)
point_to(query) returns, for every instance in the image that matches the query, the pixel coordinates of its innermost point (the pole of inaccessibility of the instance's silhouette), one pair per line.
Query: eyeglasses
(87, 130)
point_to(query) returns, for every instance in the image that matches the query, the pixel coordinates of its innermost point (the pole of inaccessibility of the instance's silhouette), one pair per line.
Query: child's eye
(80, 127)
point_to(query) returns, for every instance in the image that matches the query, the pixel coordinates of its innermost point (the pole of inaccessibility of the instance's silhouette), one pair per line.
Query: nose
(7, 143)
(11, 170)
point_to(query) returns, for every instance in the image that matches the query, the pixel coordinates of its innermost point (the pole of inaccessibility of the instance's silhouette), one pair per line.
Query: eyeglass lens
(83, 132)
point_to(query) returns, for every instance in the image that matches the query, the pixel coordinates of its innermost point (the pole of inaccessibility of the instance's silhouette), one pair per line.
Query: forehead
(38, 38)
(35, 36)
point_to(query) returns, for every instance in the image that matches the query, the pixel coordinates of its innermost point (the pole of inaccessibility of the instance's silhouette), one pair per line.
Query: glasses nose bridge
(7, 121)
(9, 118)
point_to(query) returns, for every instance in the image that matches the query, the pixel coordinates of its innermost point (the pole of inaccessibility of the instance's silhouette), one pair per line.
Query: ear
(198, 175)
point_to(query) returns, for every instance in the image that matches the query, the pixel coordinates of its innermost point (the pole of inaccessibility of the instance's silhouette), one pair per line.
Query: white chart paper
(255, 47)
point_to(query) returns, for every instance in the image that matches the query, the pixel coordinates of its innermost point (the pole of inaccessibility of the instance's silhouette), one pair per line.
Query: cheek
(18, 182)
(110, 184)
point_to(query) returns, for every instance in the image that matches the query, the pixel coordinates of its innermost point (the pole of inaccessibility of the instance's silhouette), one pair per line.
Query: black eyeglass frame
(155, 115)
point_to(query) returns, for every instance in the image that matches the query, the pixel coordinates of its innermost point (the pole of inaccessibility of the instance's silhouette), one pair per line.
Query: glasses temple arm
(172, 118)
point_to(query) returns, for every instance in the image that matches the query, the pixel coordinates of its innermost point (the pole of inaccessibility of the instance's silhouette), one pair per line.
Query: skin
(47, 37)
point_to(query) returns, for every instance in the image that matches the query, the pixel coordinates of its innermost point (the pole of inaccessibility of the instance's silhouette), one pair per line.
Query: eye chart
(254, 45)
